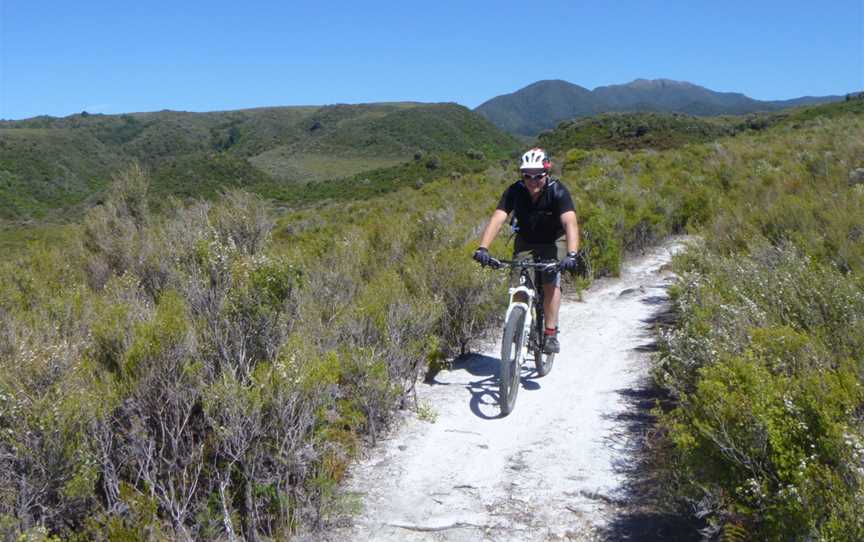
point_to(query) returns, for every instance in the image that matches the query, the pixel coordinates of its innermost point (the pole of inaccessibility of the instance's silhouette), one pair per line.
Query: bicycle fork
(522, 296)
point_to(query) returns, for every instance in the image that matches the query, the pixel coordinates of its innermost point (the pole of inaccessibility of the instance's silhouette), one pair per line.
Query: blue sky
(59, 58)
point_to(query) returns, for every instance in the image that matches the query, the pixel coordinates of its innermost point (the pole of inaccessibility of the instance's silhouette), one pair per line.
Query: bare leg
(551, 303)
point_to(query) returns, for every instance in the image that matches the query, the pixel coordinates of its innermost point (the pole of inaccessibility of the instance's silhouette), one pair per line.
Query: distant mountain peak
(543, 104)
(546, 84)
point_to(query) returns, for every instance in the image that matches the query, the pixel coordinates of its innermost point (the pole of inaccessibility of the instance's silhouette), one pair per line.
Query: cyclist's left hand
(569, 262)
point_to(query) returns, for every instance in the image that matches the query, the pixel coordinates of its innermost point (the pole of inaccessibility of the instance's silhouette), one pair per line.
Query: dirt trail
(546, 472)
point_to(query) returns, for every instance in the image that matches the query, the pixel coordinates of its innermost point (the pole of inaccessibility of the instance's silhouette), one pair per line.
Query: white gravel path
(546, 472)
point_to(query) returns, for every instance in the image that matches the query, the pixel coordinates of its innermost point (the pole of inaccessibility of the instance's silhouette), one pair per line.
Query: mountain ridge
(543, 104)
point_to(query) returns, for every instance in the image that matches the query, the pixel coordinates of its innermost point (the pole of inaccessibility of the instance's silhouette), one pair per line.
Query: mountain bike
(523, 327)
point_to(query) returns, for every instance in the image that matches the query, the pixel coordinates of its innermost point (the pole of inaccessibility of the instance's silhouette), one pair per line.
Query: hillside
(631, 131)
(663, 131)
(43, 169)
(542, 105)
(48, 164)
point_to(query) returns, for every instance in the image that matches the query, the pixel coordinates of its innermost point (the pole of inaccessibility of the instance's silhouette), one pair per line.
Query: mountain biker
(547, 229)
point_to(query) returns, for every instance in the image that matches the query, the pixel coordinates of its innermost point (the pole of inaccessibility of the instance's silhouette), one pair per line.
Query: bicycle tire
(542, 362)
(511, 360)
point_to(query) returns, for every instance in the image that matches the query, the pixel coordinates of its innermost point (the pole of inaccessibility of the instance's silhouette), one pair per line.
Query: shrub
(243, 219)
(761, 364)
(472, 298)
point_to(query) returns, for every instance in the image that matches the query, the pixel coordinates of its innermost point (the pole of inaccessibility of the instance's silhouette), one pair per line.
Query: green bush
(762, 363)
(770, 449)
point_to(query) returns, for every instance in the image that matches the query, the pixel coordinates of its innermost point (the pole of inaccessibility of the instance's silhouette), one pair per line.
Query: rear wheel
(543, 362)
(511, 359)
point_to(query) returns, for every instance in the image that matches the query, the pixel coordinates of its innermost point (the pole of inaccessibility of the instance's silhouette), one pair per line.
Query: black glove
(569, 262)
(482, 256)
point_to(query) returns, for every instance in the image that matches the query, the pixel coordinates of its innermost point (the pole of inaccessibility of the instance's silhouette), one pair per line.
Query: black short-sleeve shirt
(538, 222)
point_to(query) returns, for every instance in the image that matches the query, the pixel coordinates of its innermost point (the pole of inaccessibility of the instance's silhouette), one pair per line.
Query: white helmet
(535, 159)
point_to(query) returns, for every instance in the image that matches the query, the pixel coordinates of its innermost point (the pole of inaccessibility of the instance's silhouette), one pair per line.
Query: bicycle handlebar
(495, 263)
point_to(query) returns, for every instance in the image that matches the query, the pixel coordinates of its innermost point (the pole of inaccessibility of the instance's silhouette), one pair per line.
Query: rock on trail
(551, 470)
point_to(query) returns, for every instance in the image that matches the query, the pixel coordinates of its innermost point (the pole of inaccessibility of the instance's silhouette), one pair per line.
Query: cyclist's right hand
(482, 256)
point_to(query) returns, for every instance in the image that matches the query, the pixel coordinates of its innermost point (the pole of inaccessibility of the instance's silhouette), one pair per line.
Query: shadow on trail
(485, 396)
(665, 317)
(642, 514)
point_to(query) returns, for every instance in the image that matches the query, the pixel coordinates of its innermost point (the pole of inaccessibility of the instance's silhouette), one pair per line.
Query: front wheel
(511, 359)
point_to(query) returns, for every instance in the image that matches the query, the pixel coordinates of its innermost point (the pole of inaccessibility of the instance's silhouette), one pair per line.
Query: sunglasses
(534, 176)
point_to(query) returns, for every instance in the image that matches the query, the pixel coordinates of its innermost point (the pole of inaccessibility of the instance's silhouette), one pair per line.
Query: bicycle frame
(527, 295)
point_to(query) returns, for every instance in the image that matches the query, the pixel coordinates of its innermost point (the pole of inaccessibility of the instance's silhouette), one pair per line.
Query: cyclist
(546, 227)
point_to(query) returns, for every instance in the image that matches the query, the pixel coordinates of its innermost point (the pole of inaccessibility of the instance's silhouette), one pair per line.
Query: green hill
(662, 131)
(48, 165)
(630, 131)
(44, 170)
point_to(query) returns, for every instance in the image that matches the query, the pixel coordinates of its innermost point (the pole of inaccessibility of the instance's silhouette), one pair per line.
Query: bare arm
(492, 228)
(571, 230)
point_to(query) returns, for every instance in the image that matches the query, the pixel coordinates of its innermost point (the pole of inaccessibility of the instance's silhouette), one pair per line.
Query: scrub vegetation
(207, 368)
(658, 131)
(766, 437)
